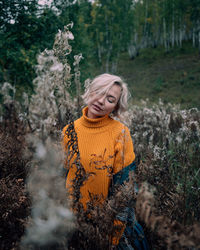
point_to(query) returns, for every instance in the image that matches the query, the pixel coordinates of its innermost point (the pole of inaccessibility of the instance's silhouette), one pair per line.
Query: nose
(101, 99)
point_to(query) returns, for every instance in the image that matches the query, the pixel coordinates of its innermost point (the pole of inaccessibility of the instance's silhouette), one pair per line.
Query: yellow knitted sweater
(105, 147)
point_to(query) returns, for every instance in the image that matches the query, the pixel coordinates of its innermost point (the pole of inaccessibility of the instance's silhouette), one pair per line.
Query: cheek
(90, 99)
(115, 106)
(111, 106)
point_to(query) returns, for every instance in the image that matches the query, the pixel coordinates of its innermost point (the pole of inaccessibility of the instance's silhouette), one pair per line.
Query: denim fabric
(133, 236)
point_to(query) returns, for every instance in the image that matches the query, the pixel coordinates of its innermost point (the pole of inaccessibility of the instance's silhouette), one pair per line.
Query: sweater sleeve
(124, 152)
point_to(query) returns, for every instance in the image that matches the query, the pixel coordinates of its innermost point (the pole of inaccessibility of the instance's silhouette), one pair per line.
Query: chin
(98, 114)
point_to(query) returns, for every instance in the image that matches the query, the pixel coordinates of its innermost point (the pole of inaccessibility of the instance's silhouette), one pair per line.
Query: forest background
(153, 44)
(47, 53)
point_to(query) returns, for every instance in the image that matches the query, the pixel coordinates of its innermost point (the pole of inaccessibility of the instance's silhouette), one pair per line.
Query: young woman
(104, 144)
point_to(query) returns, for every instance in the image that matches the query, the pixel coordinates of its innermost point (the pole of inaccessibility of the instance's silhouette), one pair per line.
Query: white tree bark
(199, 37)
(132, 51)
(133, 47)
(173, 27)
(98, 47)
(193, 37)
(164, 34)
(108, 58)
(108, 45)
(145, 34)
(114, 66)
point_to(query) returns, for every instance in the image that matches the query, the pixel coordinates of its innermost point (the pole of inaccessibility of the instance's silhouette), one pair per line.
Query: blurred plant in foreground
(51, 107)
(51, 222)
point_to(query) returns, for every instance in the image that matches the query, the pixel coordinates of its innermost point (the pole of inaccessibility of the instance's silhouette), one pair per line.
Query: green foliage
(110, 36)
(174, 77)
(103, 30)
(24, 33)
(159, 84)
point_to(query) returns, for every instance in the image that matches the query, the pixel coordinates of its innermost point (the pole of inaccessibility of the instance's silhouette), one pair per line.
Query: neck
(91, 116)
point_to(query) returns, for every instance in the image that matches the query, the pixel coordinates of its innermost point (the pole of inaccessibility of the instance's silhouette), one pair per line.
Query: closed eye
(111, 99)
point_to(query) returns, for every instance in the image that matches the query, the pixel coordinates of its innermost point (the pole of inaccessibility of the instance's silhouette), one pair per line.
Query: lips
(96, 107)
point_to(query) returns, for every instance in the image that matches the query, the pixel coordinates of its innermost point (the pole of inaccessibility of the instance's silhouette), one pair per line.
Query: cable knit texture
(105, 147)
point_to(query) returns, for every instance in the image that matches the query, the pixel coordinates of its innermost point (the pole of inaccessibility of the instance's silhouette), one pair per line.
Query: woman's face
(100, 105)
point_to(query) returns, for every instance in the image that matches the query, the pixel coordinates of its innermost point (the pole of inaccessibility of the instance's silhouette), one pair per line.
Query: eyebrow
(112, 96)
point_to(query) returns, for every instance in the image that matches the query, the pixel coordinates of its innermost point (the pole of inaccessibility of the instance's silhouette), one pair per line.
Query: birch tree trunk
(145, 34)
(199, 38)
(193, 37)
(98, 47)
(108, 45)
(177, 37)
(108, 58)
(132, 51)
(180, 33)
(133, 47)
(173, 28)
(115, 64)
(164, 34)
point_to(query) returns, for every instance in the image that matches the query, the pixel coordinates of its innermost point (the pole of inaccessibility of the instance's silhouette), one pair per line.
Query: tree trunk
(199, 40)
(133, 47)
(193, 37)
(108, 58)
(108, 46)
(180, 33)
(173, 28)
(114, 66)
(98, 47)
(132, 51)
(145, 35)
(164, 34)
(180, 37)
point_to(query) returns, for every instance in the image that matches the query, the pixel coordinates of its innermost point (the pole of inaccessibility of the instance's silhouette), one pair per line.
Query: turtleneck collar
(94, 123)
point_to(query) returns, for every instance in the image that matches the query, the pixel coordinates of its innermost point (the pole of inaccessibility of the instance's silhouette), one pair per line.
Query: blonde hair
(102, 84)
